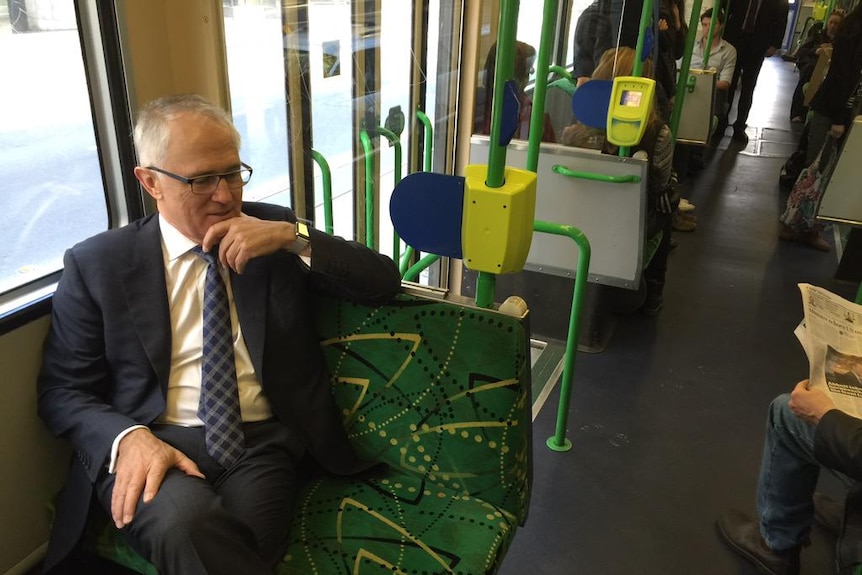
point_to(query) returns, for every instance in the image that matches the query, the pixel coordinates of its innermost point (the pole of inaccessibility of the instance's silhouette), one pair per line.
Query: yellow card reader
(631, 101)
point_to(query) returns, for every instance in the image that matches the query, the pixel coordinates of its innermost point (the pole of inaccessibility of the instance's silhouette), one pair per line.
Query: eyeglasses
(209, 183)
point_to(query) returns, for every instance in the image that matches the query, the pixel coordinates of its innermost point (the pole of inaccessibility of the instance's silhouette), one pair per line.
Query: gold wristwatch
(302, 240)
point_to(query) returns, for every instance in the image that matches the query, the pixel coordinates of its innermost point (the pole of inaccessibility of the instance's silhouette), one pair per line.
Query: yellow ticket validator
(631, 101)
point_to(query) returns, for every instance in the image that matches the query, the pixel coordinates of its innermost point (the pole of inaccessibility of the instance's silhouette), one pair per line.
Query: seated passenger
(722, 58)
(806, 60)
(182, 364)
(658, 144)
(525, 56)
(804, 433)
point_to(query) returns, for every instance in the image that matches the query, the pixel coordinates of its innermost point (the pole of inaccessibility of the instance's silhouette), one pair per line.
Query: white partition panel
(841, 200)
(611, 215)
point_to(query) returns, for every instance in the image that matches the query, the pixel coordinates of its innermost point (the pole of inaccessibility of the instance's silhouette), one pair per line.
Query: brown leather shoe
(742, 533)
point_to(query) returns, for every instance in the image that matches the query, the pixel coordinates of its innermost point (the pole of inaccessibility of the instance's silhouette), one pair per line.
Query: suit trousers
(749, 61)
(234, 521)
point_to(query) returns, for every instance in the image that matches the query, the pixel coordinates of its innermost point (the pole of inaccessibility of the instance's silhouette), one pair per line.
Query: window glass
(253, 42)
(53, 194)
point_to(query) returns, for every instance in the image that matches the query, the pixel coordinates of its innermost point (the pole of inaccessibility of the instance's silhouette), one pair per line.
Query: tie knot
(209, 257)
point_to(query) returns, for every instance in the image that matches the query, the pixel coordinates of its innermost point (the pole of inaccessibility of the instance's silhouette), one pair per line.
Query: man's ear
(148, 181)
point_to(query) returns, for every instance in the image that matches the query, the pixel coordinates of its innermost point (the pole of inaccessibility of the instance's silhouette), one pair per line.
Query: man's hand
(771, 51)
(837, 130)
(142, 462)
(809, 404)
(244, 238)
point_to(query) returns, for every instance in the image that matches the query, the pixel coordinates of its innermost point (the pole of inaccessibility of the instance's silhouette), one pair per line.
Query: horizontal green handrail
(559, 442)
(564, 171)
(560, 71)
(326, 176)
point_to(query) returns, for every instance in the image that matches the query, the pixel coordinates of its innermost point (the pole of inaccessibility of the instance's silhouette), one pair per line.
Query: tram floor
(667, 423)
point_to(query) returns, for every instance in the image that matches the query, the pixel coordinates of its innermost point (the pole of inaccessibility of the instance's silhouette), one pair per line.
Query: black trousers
(234, 521)
(749, 61)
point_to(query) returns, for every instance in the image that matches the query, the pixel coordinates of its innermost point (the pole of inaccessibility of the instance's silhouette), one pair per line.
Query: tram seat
(439, 390)
(558, 104)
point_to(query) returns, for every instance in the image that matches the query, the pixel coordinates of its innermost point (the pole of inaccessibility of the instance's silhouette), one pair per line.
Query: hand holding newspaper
(831, 334)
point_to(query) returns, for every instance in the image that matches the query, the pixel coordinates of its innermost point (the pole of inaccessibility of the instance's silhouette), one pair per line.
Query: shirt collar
(175, 243)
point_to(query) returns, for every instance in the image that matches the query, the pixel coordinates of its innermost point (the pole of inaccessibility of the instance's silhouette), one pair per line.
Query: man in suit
(804, 432)
(125, 362)
(756, 29)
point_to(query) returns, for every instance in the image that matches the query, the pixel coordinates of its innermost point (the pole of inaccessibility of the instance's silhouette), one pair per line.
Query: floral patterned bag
(801, 208)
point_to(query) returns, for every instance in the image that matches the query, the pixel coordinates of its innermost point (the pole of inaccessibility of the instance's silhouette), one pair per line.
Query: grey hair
(151, 129)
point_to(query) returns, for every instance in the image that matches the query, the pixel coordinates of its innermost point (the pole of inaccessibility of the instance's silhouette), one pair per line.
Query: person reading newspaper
(817, 425)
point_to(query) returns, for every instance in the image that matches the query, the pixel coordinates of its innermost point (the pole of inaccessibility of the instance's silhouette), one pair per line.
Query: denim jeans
(788, 478)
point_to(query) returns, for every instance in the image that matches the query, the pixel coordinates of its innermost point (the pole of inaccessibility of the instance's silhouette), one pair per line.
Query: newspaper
(831, 334)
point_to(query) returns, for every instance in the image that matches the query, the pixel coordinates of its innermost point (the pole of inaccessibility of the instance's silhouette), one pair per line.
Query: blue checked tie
(219, 404)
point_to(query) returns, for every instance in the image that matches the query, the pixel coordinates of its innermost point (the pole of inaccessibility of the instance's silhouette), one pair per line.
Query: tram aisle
(667, 423)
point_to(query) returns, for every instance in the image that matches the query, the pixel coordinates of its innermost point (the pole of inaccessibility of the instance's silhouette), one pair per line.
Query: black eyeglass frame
(191, 181)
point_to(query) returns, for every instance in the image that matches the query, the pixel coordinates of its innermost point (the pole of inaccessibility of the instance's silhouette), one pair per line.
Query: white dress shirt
(185, 273)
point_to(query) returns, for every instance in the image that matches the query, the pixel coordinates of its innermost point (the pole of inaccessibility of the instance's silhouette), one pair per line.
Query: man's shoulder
(267, 211)
(113, 239)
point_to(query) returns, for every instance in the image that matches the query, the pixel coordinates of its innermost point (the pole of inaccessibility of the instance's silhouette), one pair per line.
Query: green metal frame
(394, 141)
(326, 176)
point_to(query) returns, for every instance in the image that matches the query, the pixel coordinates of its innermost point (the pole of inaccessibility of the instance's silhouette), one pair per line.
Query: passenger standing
(833, 102)
(806, 58)
(603, 25)
(832, 110)
(756, 29)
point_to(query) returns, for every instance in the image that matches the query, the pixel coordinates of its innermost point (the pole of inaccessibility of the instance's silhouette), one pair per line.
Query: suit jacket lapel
(249, 296)
(147, 298)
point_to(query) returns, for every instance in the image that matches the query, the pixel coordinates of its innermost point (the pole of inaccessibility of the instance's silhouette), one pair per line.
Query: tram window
(253, 42)
(53, 192)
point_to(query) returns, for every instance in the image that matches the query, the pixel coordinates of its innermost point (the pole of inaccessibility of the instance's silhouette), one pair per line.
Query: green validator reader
(631, 101)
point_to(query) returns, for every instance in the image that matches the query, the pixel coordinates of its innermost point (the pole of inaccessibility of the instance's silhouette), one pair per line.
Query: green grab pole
(326, 176)
(369, 190)
(396, 143)
(682, 80)
(559, 442)
(646, 16)
(537, 115)
(637, 68)
(829, 8)
(486, 284)
(859, 294)
(560, 71)
(564, 171)
(427, 150)
(417, 268)
(405, 260)
(504, 67)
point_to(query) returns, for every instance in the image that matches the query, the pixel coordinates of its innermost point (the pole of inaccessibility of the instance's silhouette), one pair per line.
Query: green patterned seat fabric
(439, 392)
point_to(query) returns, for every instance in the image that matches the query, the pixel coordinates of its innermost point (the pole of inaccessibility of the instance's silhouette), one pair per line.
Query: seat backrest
(437, 390)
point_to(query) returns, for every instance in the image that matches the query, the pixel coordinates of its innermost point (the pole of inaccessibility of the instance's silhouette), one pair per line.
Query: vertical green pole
(537, 117)
(396, 143)
(686, 66)
(427, 151)
(637, 69)
(369, 189)
(709, 36)
(326, 177)
(503, 66)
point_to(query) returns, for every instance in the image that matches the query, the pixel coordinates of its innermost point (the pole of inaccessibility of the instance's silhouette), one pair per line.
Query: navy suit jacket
(106, 359)
(769, 27)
